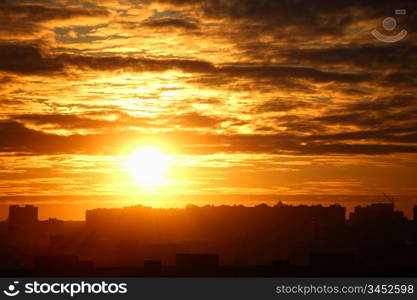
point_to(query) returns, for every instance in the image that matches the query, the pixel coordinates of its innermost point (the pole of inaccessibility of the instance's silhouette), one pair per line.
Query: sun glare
(148, 165)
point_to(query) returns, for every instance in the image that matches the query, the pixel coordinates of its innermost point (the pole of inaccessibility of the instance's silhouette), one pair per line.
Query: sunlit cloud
(247, 97)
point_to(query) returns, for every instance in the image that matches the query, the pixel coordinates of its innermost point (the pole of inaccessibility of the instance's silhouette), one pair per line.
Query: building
(376, 214)
(51, 226)
(22, 219)
(379, 223)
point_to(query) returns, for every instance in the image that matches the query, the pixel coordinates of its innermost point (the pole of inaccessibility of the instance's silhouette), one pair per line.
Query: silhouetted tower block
(378, 222)
(379, 212)
(328, 220)
(152, 267)
(376, 215)
(197, 264)
(333, 215)
(23, 219)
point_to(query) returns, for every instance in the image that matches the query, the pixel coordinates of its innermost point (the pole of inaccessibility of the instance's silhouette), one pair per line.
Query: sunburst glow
(148, 165)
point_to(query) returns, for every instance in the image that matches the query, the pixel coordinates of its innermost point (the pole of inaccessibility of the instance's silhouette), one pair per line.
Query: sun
(148, 165)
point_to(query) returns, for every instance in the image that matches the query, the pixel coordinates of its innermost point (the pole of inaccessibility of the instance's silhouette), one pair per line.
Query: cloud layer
(304, 80)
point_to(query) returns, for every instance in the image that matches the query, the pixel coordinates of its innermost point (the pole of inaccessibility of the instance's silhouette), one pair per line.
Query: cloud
(195, 120)
(302, 18)
(15, 137)
(171, 23)
(132, 64)
(117, 121)
(387, 136)
(30, 59)
(382, 112)
(26, 59)
(401, 56)
(358, 119)
(86, 121)
(20, 31)
(49, 15)
(280, 105)
(254, 87)
(385, 103)
(284, 72)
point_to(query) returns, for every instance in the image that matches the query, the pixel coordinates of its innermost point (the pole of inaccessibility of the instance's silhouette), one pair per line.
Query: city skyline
(68, 208)
(281, 240)
(148, 100)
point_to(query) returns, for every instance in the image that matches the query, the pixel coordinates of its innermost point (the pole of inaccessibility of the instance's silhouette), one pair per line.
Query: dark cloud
(171, 23)
(135, 64)
(120, 121)
(278, 72)
(23, 21)
(280, 105)
(12, 30)
(370, 149)
(383, 112)
(86, 121)
(358, 119)
(320, 17)
(302, 22)
(5, 80)
(404, 134)
(385, 103)
(26, 59)
(352, 91)
(194, 119)
(15, 137)
(36, 13)
(302, 126)
(30, 59)
(399, 56)
(404, 79)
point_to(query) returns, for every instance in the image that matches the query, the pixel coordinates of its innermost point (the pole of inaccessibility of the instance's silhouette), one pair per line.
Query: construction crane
(390, 199)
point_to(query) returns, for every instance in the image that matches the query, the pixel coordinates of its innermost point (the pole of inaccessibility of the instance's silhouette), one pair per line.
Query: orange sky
(244, 97)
